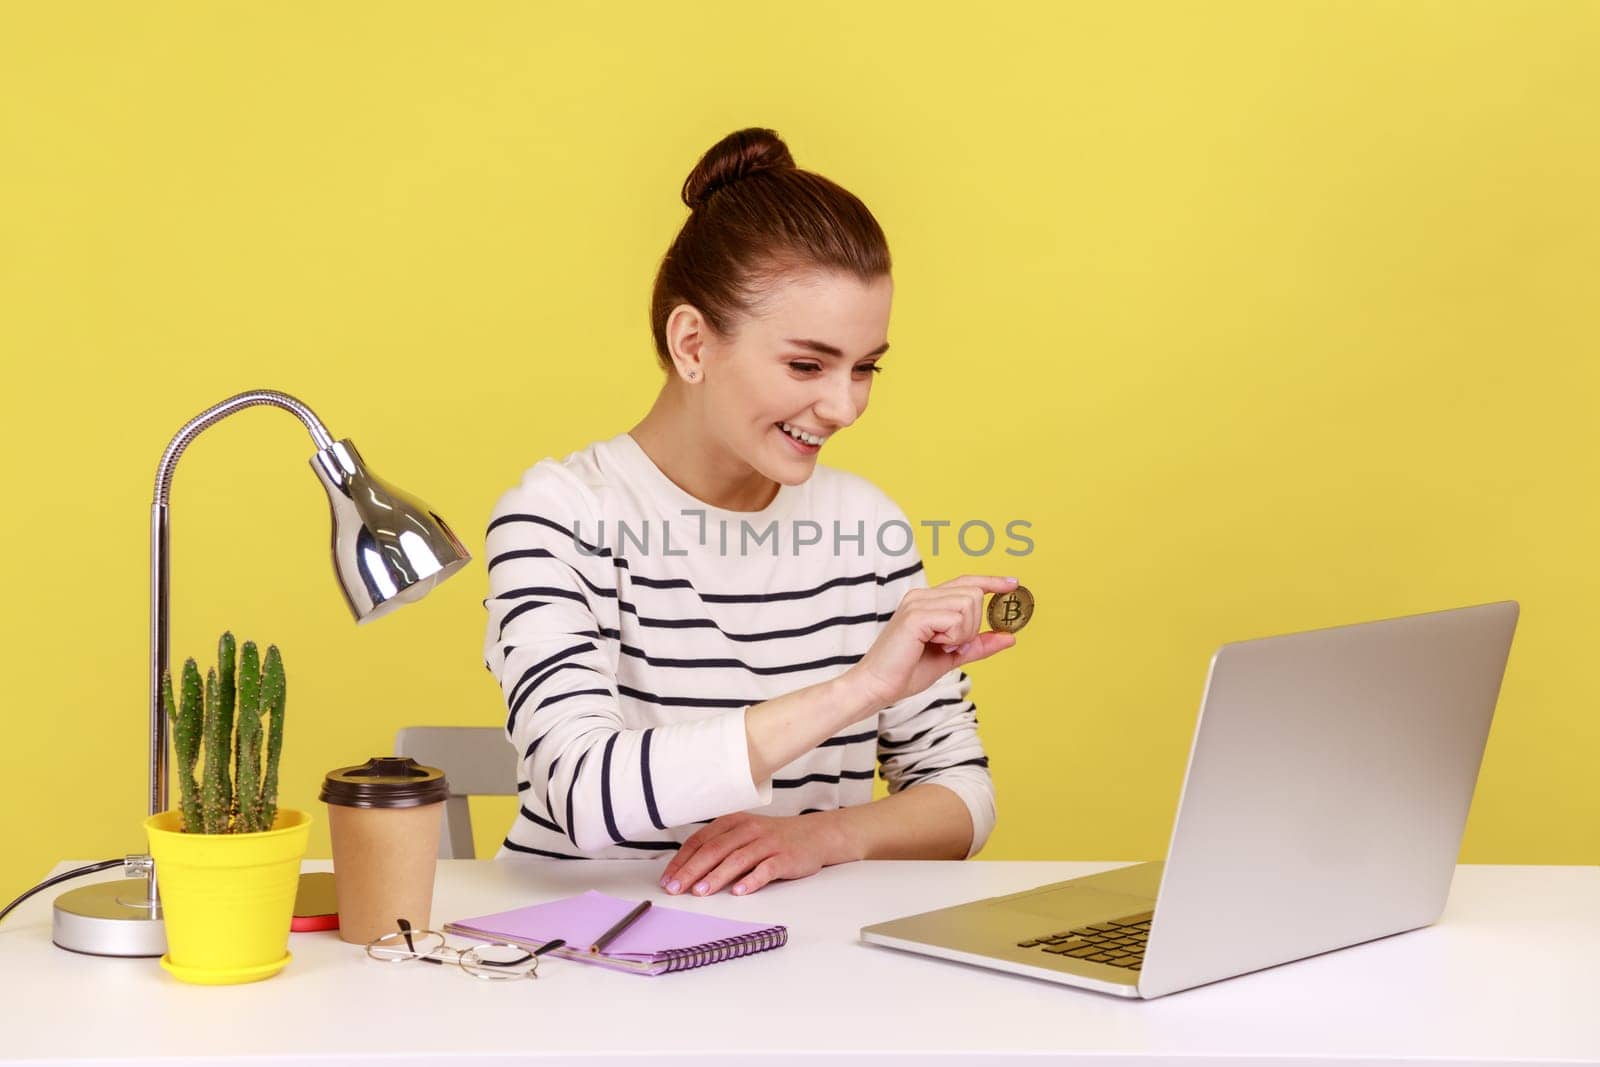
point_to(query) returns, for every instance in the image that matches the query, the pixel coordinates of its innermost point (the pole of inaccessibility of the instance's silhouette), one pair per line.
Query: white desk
(1510, 974)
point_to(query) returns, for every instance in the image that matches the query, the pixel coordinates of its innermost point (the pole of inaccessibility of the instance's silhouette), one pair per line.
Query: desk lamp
(389, 548)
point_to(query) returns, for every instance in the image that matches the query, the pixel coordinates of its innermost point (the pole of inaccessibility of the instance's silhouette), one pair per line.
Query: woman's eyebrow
(829, 350)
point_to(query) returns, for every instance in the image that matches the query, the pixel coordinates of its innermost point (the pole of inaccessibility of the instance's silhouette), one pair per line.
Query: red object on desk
(315, 906)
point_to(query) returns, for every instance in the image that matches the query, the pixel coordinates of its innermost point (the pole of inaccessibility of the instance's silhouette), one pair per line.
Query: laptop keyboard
(1118, 942)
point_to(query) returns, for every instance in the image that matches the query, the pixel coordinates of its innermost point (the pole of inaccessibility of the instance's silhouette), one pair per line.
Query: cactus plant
(273, 692)
(225, 691)
(235, 793)
(186, 723)
(248, 768)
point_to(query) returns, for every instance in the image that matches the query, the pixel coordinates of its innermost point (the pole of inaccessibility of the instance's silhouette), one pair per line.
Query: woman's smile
(805, 448)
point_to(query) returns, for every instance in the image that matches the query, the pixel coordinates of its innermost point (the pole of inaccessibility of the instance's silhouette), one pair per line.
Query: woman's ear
(686, 334)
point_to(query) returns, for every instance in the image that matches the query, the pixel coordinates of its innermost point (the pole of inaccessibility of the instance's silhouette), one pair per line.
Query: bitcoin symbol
(1010, 612)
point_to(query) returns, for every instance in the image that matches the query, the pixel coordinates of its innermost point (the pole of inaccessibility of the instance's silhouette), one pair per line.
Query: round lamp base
(109, 919)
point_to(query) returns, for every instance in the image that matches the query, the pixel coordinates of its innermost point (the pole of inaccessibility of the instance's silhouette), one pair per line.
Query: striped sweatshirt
(630, 625)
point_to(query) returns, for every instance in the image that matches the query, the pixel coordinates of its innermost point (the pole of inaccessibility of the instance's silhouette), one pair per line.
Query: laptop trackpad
(1073, 905)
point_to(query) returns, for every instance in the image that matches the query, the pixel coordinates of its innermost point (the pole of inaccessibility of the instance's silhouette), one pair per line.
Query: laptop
(1323, 806)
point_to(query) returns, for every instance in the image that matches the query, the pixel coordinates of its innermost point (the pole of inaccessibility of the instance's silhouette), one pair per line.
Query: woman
(704, 638)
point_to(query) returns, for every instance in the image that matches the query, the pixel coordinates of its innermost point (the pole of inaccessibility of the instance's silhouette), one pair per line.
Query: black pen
(627, 920)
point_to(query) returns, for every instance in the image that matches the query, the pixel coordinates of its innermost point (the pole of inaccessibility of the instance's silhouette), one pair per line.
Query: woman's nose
(838, 406)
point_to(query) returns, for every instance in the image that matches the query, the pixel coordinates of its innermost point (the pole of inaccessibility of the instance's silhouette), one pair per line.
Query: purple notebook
(662, 939)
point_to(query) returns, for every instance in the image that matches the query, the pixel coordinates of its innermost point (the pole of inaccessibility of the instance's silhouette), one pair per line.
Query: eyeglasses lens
(498, 962)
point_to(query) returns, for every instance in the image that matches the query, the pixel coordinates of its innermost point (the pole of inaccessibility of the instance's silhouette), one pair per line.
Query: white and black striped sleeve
(552, 643)
(931, 737)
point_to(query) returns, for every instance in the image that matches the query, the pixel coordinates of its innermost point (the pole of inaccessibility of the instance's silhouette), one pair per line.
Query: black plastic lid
(385, 782)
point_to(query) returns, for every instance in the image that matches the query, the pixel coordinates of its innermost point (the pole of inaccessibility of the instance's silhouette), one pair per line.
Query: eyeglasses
(494, 961)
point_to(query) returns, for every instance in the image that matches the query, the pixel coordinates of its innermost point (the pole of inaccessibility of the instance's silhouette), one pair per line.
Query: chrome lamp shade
(389, 548)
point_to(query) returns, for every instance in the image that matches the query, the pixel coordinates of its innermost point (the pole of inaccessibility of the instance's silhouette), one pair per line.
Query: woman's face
(803, 362)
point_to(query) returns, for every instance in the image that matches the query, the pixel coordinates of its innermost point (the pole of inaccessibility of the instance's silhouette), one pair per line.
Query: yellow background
(1267, 316)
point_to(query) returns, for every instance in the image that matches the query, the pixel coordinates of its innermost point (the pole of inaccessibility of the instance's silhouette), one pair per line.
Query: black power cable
(76, 872)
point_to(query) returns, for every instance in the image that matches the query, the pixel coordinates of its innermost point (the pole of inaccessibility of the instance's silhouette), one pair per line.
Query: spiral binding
(724, 949)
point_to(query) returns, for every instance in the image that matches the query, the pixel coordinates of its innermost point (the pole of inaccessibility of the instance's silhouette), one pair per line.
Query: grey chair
(476, 761)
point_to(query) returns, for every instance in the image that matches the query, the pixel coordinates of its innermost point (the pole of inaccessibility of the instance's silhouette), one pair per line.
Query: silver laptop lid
(1327, 791)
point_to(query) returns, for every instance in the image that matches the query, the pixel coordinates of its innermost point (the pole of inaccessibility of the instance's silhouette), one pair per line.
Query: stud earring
(693, 375)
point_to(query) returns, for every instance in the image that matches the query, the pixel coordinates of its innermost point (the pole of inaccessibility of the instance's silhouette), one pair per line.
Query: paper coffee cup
(384, 820)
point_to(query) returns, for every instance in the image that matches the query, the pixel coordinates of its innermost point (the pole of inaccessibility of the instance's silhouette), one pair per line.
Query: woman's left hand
(748, 851)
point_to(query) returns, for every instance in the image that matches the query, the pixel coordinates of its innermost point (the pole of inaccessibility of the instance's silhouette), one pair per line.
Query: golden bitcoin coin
(1010, 612)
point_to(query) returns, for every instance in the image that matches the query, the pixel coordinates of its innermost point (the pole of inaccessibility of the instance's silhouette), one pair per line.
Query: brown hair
(754, 217)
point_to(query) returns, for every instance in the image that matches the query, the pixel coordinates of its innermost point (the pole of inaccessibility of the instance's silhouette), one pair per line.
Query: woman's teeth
(801, 435)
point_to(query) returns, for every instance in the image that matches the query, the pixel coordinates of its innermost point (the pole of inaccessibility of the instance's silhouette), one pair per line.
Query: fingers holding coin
(1010, 609)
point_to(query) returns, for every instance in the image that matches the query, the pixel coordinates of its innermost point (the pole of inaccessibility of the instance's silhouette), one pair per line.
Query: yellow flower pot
(227, 899)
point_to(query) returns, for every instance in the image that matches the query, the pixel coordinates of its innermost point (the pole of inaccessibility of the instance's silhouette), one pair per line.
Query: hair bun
(736, 156)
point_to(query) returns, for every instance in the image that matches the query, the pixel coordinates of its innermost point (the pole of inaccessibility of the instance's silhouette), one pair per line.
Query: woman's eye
(808, 368)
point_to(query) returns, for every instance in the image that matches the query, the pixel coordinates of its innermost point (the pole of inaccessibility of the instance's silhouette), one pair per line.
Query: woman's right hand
(932, 631)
